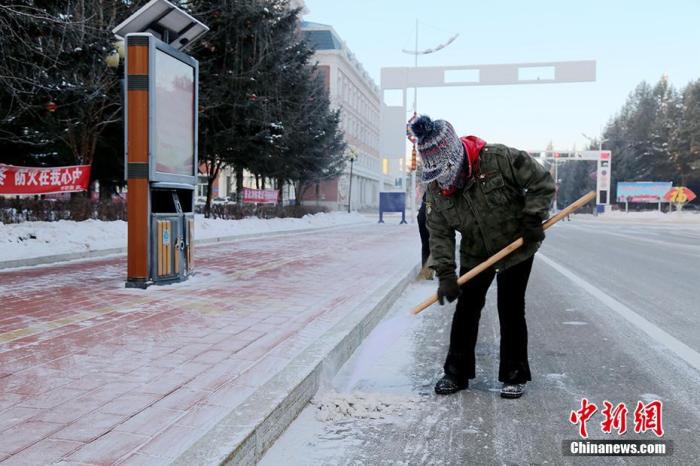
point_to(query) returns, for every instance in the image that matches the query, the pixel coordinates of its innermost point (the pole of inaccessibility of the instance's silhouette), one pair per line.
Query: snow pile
(213, 228)
(37, 239)
(333, 407)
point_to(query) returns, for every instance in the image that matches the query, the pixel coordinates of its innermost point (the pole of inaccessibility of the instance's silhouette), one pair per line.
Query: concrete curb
(47, 260)
(243, 436)
(98, 253)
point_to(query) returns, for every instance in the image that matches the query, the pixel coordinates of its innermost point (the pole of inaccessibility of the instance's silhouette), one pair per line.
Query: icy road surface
(613, 315)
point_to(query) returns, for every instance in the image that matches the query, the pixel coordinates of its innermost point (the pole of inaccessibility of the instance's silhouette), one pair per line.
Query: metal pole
(402, 160)
(415, 64)
(556, 184)
(352, 161)
(415, 111)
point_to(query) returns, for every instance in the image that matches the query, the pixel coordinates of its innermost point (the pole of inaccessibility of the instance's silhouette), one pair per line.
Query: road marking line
(681, 350)
(638, 238)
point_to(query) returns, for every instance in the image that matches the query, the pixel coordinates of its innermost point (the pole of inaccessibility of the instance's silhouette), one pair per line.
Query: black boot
(449, 384)
(512, 390)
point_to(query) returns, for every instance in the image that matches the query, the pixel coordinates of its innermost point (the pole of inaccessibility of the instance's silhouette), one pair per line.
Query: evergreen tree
(638, 147)
(577, 177)
(229, 58)
(313, 148)
(685, 150)
(656, 135)
(658, 164)
(262, 110)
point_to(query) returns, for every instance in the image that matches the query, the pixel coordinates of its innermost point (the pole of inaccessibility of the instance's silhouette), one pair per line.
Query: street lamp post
(556, 183)
(600, 141)
(115, 62)
(353, 156)
(415, 52)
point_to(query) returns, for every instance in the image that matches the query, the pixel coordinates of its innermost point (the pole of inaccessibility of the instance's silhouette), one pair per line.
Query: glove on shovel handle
(507, 250)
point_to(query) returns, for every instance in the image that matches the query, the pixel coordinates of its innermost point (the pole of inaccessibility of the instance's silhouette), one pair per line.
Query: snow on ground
(373, 391)
(333, 407)
(37, 239)
(569, 360)
(650, 217)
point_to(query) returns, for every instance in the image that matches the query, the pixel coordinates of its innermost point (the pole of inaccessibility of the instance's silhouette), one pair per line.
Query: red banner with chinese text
(260, 196)
(43, 180)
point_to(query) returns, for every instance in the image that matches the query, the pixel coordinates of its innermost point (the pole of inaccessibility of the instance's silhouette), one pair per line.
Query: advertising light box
(173, 101)
(174, 116)
(642, 191)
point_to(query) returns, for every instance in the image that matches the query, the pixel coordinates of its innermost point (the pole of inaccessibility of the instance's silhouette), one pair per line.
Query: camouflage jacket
(488, 212)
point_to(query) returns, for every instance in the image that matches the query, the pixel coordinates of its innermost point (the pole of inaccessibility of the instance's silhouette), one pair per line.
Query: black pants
(512, 284)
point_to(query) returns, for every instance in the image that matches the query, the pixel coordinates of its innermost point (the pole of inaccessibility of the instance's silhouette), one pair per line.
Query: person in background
(426, 273)
(492, 194)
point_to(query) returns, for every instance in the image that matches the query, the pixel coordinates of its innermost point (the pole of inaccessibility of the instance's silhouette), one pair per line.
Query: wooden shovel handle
(507, 250)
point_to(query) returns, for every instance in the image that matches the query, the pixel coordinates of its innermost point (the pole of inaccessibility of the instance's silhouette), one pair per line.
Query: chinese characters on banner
(43, 180)
(260, 196)
(647, 417)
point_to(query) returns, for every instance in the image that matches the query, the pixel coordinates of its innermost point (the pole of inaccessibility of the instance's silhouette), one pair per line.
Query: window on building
(202, 188)
(230, 185)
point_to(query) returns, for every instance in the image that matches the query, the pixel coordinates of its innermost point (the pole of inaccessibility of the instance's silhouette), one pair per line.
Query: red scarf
(472, 147)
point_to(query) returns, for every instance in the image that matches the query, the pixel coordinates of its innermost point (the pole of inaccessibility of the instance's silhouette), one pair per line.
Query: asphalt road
(613, 314)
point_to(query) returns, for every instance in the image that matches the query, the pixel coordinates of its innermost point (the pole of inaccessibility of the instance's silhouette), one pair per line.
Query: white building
(351, 90)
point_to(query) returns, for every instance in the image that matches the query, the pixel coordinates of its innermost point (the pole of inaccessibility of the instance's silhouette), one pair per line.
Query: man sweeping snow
(491, 194)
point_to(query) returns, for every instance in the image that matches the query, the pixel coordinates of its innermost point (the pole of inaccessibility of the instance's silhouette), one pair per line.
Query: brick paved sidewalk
(93, 373)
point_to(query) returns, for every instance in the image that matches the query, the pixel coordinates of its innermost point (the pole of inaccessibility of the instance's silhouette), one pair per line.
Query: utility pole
(556, 182)
(353, 156)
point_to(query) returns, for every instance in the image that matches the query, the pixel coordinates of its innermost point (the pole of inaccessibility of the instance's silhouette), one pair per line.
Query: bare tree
(56, 90)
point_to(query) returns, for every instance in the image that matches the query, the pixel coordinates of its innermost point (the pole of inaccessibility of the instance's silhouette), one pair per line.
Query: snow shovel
(507, 250)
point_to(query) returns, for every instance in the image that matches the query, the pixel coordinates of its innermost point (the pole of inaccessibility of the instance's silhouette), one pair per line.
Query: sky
(632, 41)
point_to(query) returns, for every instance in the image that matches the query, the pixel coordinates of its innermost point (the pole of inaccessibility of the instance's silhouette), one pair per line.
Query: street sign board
(392, 202)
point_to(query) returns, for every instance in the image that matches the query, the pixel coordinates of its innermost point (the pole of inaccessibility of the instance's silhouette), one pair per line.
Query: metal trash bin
(172, 235)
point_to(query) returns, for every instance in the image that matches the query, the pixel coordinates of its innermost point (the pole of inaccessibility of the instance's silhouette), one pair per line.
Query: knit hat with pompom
(441, 151)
